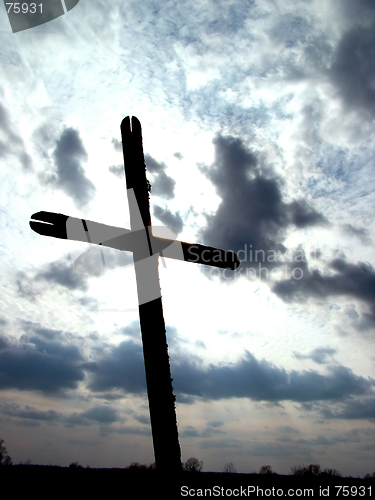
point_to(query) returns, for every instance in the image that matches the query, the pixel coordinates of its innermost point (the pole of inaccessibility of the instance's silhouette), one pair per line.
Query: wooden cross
(146, 250)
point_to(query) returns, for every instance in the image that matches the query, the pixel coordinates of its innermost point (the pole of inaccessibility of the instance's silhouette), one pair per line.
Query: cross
(146, 249)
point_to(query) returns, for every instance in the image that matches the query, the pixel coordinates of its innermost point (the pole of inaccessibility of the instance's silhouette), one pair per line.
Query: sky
(258, 133)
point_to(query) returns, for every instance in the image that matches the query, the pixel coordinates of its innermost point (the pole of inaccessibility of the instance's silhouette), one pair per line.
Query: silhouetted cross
(146, 250)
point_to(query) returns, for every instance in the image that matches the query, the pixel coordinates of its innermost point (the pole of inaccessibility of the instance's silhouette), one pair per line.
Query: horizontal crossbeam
(71, 228)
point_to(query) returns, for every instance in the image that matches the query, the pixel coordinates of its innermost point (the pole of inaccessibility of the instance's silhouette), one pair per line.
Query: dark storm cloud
(48, 334)
(350, 409)
(261, 380)
(34, 364)
(123, 368)
(29, 412)
(353, 69)
(3, 343)
(302, 215)
(353, 280)
(318, 355)
(252, 212)
(14, 143)
(101, 414)
(170, 220)
(361, 11)
(153, 166)
(68, 155)
(163, 185)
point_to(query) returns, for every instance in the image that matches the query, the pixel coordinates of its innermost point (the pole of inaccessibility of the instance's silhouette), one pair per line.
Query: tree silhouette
(331, 472)
(75, 465)
(229, 468)
(266, 469)
(302, 470)
(193, 465)
(4, 457)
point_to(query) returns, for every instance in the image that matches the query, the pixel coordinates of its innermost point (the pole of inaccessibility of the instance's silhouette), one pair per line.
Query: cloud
(143, 419)
(142, 431)
(62, 273)
(13, 144)
(99, 414)
(24, 289)
(222, 443)
(3, 343)
(117, 144)
(252, 213)
(355, 13)
(123, 368)
(70, 175)
(353, 68)
(286, 429)
(29, 412)
(261, 380)
(102, 414)
(215, 423)
(133, 330)
(318, 441)
(318, 355)
(34, 364)
(46, 334)
(172, 221)
(350, 409)
(209, 431)
(353, 280)
(163, 185)
(117, 170)
(290, 31)
(302, 215)
(361, 233)
(153, 166)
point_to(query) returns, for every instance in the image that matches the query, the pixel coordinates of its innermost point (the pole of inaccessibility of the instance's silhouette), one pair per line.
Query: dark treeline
(145, 480)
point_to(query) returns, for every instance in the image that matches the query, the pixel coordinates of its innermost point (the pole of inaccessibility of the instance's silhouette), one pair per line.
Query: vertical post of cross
(155, 349)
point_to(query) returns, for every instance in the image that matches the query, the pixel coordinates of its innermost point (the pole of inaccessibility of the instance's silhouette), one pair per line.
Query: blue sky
(258, 132)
